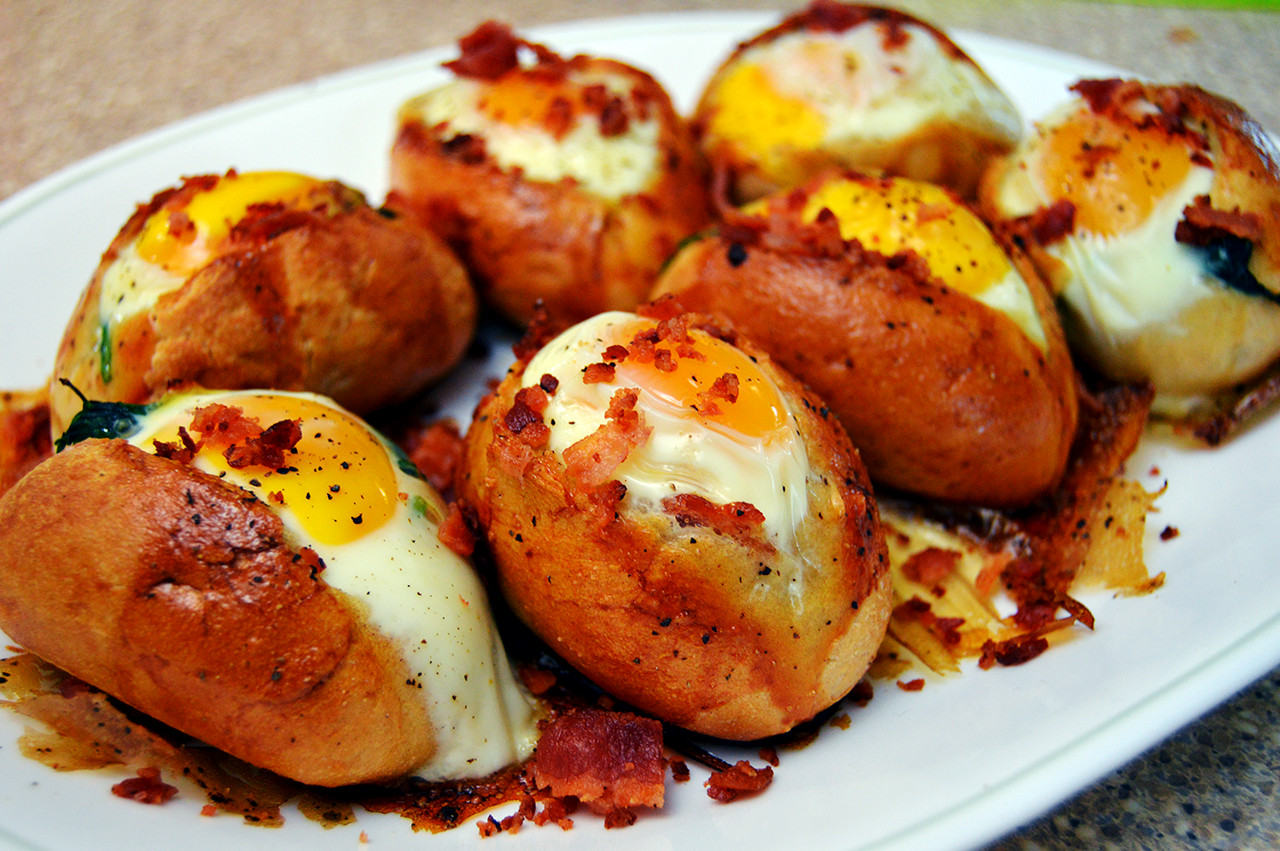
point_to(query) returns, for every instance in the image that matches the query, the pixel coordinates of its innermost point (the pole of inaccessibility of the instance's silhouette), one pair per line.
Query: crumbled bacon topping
(592, 460)
(741, 778)
(146, 788)
(456, 533)
(608, 760)
(930, 566)
(1201, 224)
(436, 450)
(741, 521)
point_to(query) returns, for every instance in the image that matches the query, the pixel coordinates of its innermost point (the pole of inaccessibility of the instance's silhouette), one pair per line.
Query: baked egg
(346, 494)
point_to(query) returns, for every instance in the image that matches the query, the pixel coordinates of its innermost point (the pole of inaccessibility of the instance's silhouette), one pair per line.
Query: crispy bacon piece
(436, 450)
(146, 788)
(1201, 224)
(222, 425)
(947, 630)
(1049, 224)
(598, 373)
(740, 521)
(266, 449)
(488, 52)
(592, 460)
(455, 533)
(183, 451)
(742, 778)
(930, 566)
(608, 760)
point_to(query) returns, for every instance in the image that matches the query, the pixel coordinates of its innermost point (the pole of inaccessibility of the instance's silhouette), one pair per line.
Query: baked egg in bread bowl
(1154, 213)
(262, 571)
(682, 522)
(851, 86)
(561, 181)
(936, 345)
(265, 279)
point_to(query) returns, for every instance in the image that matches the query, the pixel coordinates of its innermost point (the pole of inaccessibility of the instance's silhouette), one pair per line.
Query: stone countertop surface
(76, 78)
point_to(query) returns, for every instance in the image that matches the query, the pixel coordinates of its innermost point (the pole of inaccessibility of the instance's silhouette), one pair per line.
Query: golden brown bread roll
(565, 181)
(682, 523)
(939, 351)
(294, 609)
(1154, 213)
(265, 279)
(851, 86)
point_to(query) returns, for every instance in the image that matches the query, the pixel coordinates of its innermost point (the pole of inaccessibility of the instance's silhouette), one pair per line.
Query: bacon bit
(466, 148)
(912, 685)
(614, 120)
(266, 449)
(663, 307)
(222, 425)
(437, 452)
(620, 817)
(930, 566)
(209, 810)
(614, 353)
(598, 373)
(522, 414)
(680, 771)
(183, 451)
(146, 788)
(769, 755)
(456, 533)
(605, 498)
(947, 630)
(611, 760)
(1201, 224)
(488, 52)
(549, 384)
(740, 521)
(725, 387)
(1168, 533)
(1012, 651)
(542, 330)
(841, 721)
(740, 779)
(510, 455)
(557, 811)
(592, 460)
(277, 497)
(537, 680)
(664, 360)
(1049, 224)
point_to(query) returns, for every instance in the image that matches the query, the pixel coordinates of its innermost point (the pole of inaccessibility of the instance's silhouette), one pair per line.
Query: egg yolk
(749, 110)
(891, 216)
(707, 380)
(338, 480)
(521, 100)
(182, 241)
(1114, 173)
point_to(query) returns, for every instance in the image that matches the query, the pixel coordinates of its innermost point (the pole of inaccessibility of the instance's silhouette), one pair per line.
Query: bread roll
(936, 346)
(710, 554)
(265, 279)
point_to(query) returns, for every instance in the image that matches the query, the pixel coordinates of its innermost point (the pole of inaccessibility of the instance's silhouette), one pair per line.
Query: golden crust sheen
(943, 396)
(357, 306)
(681, 622)
(527, 241)
(175, 592)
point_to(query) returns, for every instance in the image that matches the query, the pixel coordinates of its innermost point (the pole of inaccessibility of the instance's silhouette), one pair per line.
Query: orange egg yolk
(338, 481)
(749, 110)
(891, 216)
(748, 404)
(1114, 173)
(182, 241)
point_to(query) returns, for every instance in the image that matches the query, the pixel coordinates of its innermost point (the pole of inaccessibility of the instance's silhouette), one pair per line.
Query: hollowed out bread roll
(841, 85)
(265, 279)
(213, 626)
(565, 181)
(263, 572)
(682, 523)
(1154, 213)
(937, 348)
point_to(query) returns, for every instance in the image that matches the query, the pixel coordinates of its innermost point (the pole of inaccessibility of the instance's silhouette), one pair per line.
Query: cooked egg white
(892, 215)
(1141, 304)
(511, 115)
(351, 497)
(749, 451)
(807, 90)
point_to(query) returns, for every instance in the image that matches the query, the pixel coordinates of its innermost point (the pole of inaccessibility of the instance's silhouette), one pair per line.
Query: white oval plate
(963, 761)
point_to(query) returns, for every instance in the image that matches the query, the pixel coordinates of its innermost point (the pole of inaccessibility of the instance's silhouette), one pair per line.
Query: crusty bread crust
(176, 593)
(357, 306)
(942, 395)
(698, 628)
(528, 241)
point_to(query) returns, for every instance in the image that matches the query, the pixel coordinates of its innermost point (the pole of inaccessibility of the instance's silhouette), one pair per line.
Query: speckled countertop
(78, 77)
